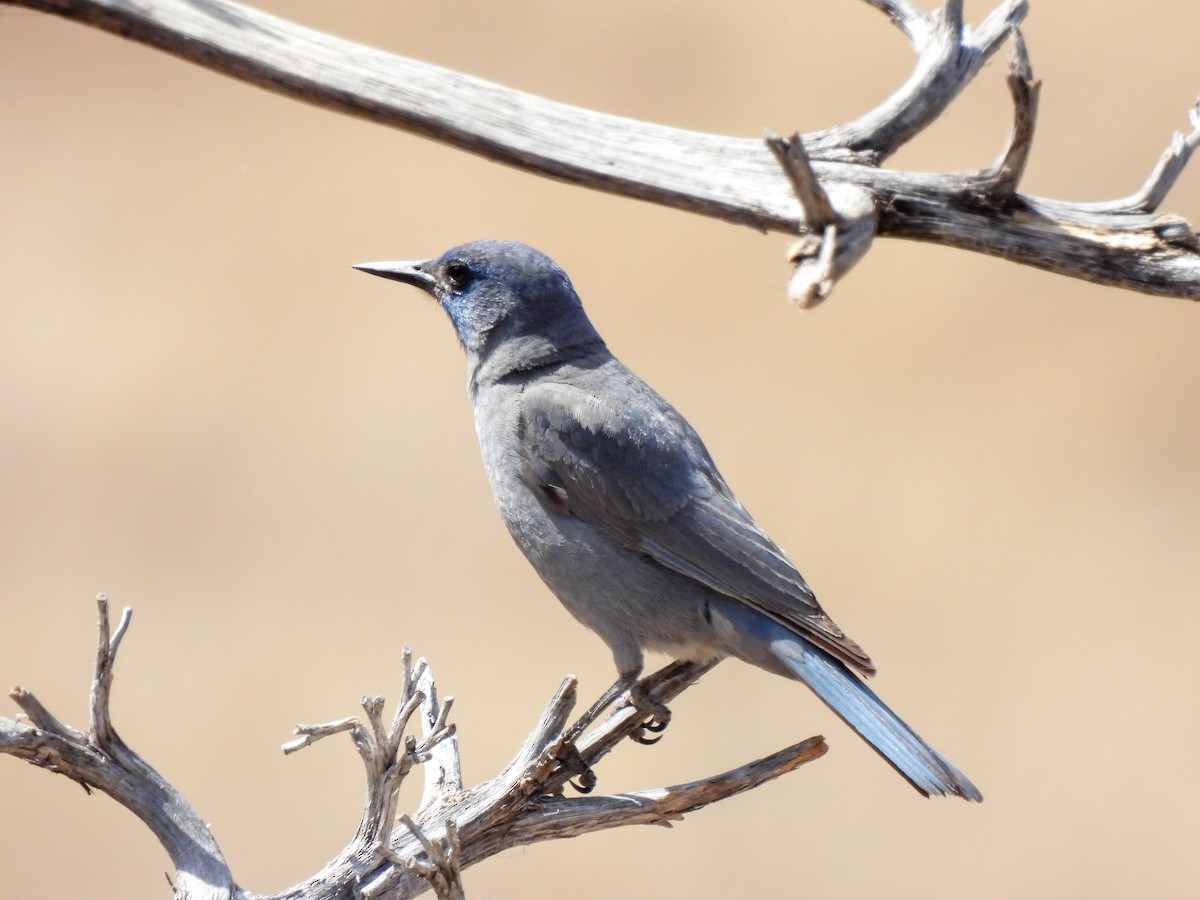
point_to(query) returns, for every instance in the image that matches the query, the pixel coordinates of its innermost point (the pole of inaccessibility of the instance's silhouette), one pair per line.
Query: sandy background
(988, 473)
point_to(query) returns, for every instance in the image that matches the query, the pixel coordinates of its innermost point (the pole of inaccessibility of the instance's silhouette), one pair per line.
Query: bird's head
(504, 298)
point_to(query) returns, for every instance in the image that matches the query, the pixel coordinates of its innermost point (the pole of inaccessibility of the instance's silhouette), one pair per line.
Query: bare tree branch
(101, 760)
(394, 855)
(1117, 243)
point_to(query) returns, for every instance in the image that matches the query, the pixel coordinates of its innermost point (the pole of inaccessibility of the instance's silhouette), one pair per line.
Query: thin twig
(441, 870)
(443, 764)
(101, 728)
(1166, 171)
(952, 15)
(403, 716)
(818, 212)
(122, 627)
(823, 285)
(999, 183)
(310, 734)
(41, 717)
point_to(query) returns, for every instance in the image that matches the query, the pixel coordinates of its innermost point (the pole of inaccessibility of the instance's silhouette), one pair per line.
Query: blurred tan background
(988, 473)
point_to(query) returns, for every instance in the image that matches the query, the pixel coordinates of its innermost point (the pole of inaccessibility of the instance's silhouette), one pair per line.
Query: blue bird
(614, 500)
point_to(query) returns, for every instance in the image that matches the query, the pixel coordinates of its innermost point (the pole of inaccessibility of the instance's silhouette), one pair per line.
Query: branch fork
(835, 236)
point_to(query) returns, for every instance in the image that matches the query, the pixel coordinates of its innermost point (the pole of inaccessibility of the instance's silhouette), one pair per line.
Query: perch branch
(394, 855)
(663, 806)
(1117, 243)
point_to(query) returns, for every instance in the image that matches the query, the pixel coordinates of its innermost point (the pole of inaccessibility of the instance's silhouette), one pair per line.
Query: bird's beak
(414, 272)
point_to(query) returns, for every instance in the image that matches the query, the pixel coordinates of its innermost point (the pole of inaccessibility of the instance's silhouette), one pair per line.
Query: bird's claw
(573, 759)
(586, 782)
(656, 724)
(639, 736)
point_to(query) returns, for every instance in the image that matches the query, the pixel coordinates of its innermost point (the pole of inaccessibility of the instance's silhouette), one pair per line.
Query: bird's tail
(856, 704)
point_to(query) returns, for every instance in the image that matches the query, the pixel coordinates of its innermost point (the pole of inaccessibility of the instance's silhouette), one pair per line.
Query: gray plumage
(614, 499)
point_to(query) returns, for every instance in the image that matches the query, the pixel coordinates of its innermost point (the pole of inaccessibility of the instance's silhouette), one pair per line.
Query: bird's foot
(658, 716)
(572, 759)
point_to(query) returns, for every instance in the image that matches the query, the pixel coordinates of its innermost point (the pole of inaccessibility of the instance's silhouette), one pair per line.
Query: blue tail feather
(858, 706)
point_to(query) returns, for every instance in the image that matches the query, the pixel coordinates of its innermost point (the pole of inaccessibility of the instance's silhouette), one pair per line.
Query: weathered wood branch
(393, 856)
(101, 760)
(1124, 243)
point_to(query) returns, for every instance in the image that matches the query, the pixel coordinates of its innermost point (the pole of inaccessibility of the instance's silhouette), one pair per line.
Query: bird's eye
(458, 274)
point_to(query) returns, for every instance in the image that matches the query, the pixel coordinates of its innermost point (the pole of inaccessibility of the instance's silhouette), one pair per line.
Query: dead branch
(1124, 243)
(392, 855)
(101, 760)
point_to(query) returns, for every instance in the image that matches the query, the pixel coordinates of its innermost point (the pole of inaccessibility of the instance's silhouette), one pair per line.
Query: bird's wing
(640, 475)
